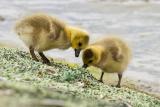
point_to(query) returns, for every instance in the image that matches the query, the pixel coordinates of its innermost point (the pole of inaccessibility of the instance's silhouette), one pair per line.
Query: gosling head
(79, 40)
(90, 57)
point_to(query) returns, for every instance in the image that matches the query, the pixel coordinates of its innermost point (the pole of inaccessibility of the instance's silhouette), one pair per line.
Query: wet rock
(73, 85)
(51, 103)
(120, 105)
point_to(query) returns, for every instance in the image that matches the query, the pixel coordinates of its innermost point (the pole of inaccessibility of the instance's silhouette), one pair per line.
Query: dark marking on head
(88, 53)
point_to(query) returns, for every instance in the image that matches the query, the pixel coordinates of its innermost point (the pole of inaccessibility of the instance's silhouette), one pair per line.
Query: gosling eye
(79, 44)
(90, 61)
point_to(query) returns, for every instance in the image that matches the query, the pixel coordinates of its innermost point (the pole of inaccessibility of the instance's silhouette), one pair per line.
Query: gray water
(137, 22)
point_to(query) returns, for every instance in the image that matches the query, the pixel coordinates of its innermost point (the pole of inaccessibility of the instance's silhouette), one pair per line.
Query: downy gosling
(41, 32)
(111, 55)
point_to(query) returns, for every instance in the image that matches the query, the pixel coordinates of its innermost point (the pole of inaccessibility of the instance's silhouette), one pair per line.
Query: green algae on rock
(70, 83)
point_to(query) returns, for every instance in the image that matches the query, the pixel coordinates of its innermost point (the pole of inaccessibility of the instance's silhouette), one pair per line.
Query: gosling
(41, 32)
(111, 54)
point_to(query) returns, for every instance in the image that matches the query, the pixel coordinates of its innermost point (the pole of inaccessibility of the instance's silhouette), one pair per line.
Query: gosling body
(112, 55)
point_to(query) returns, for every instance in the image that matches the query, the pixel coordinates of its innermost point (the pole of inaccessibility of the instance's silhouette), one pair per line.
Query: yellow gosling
(41, 32)
(111, 54)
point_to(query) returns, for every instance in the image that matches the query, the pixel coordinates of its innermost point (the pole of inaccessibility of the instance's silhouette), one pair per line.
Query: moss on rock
(61, 82)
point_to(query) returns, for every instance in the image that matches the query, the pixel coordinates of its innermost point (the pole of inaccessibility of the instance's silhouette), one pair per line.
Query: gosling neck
(98, 51)
(68, 33)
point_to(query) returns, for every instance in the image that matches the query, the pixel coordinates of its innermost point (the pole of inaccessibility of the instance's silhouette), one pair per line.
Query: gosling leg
(44, 58)
(119, 81)
(31, 49)
(101, 78)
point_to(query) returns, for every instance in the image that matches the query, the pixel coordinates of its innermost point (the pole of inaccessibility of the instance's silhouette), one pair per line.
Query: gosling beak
(77, 52)
(85, 66)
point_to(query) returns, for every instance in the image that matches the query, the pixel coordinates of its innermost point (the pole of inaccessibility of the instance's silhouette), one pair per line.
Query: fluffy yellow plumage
(41, 32)
(111, 54)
